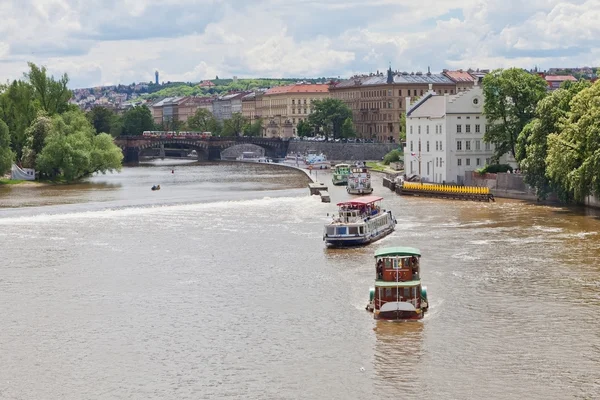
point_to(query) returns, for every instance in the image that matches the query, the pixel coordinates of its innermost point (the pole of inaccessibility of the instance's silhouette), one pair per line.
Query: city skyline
(105, 43)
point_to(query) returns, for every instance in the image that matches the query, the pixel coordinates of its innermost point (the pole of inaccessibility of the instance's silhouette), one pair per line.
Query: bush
(495, 169)
(393, 156)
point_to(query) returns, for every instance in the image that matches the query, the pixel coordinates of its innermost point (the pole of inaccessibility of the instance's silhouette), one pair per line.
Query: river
(220, 286)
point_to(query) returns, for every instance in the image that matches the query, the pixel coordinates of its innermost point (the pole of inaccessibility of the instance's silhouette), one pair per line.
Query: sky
(106, 42)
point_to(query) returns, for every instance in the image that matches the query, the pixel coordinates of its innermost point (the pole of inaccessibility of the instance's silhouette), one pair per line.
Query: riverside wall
(344, 151)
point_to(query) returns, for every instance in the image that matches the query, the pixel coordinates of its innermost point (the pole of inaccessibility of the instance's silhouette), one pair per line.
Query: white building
(444, 137)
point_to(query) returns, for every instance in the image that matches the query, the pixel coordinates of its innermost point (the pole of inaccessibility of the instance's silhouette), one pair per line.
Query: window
(487, 147)
(459, 162)
(421, 92)
(467, 145)
(437, 147)
(458, 117)
(468, 117)
(436, 129)
(478, 162)
(458, 128)
(487, 128)
(419, 146)
(399, 92)
(468, 128)
(427, 168)
(487, 161)
(389, 104)
(475, 101)
(411, 130)
(293, 111)
(411, 144)
(477, 128)
(427, 129)
(478, 145)
(441, 145)
(419, 129)
(436, 161)
(293, 101)
(459, 145)
(468, 161)
(428, 146)
(389, 92)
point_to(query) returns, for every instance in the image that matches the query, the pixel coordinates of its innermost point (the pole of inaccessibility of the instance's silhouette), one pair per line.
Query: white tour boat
(359, 221)
(359, 181)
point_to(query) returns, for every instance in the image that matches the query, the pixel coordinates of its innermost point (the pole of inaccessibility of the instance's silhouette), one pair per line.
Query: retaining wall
(344, 151)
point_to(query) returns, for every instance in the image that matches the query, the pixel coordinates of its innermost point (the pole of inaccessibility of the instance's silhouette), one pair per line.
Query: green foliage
(495, 169)
(52, 95)
(200, 121)
(393, 156)
(253, 129)
(18, 109)
(403, 127)
(532, 145)
(234, 126)
(136, 120)
(511, 96)
(573, 161)
(105, 120)
(304, 129)
(348, 129)
(74, 151)
(36, 138)
(329, 115)
(6, 155)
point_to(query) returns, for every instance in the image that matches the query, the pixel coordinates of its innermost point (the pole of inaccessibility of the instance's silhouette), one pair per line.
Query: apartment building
(378, 101)
(225, 106)
(463, 79)
(179, 108)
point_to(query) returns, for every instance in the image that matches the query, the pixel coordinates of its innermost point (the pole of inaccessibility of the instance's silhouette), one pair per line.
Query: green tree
(52, 95)
(511, 96)
(74, 151)
(348, 129)
(104, 120)
(254, 128)
(18, 109)
(136, 120)
(304, 129)
(532, 144)
(234, 126)
(200, 120)
(329, 114)
(36, 136)
(393, 156)
(574, 154)
(403, 127)
(6, 155)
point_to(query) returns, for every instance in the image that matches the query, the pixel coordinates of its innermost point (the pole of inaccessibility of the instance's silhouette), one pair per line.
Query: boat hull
(357, 241)
(398, 315)
(360, 191)
(340, 182)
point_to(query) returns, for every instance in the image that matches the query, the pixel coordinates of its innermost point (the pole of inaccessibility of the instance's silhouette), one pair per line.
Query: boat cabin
(359, 208)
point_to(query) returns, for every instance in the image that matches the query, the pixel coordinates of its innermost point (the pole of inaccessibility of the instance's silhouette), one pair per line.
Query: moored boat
(359, 181)
(317, 161)
(398, 294)
(340, 174)
(359, 222)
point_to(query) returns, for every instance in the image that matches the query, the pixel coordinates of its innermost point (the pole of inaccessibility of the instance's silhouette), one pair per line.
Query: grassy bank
(6, 181)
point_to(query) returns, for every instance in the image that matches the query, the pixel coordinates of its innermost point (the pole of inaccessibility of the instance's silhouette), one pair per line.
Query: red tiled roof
(206, 83)
(301, 88)
(459, 76)
(560, 78)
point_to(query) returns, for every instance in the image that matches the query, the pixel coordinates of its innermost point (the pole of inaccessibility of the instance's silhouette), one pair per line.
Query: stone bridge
(207, 148)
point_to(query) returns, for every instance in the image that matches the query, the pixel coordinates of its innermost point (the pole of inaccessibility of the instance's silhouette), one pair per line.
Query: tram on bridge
(177, 134)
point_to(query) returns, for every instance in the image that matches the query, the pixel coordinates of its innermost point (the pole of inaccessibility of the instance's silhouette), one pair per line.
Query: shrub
(495, 168)
(392, 156)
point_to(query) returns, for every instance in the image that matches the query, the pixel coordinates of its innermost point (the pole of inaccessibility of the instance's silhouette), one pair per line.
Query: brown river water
(219, 286)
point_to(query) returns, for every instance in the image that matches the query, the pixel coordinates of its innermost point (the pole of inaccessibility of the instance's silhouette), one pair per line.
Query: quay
(318, 188)
(474, 193)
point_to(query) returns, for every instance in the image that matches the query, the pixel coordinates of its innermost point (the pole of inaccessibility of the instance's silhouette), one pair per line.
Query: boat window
(388, 292)
(331, 230)
(362, 230)
(342, 230)
(353, 230)
(407, 292)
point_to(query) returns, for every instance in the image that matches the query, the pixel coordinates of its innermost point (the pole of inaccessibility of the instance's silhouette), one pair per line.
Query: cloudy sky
(123, 41)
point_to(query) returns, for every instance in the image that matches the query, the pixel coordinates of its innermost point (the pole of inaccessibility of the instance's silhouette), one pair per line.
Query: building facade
(225, 106)
(378, 101)
(179, 109)
(444, 136)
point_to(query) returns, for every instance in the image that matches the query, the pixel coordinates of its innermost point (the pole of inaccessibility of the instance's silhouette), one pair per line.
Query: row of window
(300, 101)
(376, 117)
(468, 128)
(459, 145)
(438, 145)
(306, 111)
(468, 161)
(384, 93)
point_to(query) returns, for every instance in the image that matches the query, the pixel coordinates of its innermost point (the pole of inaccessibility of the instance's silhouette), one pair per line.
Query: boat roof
(342, 165)
(397, 251)
(393, 284)
(361, 201)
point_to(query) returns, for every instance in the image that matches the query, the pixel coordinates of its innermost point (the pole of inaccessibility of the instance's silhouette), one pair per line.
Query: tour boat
(359, 181)
(316, 161)
(359, 222)
(398, 294)
(340, 174)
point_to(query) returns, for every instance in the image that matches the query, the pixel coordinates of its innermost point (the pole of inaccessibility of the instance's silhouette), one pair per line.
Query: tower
(156, 77)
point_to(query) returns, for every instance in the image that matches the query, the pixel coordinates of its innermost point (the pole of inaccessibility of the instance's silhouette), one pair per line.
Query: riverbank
(4, 181)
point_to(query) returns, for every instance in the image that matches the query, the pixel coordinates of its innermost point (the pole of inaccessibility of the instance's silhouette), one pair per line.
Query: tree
(234, 125)
(511, 96)
(253, 129)
(348, 129)
(18, 110)
(36, 136)
(403, 127)
(304, 129)
(104, 120)
(6, 155)
(136, 120)
(532, 144)
(200, 121)
(574, 154)
(74, 151)
(52, 95)
(329, 114)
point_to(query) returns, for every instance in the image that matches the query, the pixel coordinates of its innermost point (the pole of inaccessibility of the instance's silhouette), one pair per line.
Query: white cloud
(122, 41)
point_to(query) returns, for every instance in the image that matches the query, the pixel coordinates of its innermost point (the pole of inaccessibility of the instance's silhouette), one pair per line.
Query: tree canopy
(511, 96)
(136, 120)
(6, 154)
(329, 114)
(105, 120)
(348, 129)
(234, 126)
(200, 121)
(253, 129)
(304, 129)
(53, 95)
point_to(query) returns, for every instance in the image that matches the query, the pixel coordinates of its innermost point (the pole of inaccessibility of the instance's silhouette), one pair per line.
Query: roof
(299, 88)
(207, 83)
(397, 251)
(397, 284)
(361, 201)
(168, 100)
(460, 76)
(560, 78)
(399, 78)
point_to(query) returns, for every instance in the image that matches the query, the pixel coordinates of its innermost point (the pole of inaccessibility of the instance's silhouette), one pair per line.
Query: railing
(445, 188)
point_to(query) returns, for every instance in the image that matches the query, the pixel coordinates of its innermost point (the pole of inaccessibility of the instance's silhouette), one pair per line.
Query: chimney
(430, 87)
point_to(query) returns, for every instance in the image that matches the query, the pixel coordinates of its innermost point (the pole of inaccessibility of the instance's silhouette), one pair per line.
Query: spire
(390, 75)
(428, 70)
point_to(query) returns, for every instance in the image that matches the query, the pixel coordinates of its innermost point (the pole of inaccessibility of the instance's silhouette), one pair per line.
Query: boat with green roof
(398, 294)
(340, 174)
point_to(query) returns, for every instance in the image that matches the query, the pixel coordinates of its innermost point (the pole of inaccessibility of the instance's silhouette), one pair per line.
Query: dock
(473, 193)
(320, 189)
